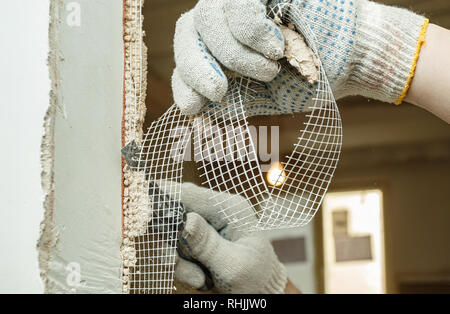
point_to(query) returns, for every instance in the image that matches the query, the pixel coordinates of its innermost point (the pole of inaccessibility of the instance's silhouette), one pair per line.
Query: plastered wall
(80, 243)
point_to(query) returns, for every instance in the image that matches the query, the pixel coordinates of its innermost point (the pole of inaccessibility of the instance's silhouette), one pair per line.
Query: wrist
(291, 289)
(387, 44)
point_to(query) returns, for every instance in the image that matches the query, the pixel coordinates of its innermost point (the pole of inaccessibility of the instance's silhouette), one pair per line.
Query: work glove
(236, 262)
(366, 49)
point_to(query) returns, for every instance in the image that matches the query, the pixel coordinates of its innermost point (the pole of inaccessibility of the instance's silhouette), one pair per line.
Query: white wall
(24, 90)
(86, 203)
(303, 273)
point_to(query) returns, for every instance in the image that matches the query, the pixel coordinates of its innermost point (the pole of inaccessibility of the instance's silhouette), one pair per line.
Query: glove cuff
(386, 49)
(278, 281)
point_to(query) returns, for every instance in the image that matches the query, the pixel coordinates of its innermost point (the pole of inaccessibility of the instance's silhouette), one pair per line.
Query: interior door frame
(355, 185)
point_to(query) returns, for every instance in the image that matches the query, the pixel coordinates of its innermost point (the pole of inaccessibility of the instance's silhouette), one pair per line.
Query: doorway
(353, 242)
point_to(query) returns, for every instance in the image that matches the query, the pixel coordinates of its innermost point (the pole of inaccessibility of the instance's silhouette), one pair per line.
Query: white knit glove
(366, 49)
(237, 262)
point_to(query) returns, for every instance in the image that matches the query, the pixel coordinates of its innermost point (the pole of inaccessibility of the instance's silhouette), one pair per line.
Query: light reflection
(276, 174)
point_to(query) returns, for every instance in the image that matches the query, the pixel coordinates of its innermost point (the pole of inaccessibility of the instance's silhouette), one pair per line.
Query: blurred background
(21, 119)
(384, 226)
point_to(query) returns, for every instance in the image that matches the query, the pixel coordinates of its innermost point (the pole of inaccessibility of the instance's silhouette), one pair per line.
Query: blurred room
(384, 224)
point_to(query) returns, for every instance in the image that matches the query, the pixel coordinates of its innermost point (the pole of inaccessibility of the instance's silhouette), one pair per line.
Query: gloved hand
(366, 49)
(238, 262)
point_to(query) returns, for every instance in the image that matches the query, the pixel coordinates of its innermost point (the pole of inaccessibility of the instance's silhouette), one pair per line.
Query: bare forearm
(291, 289)
(430, 87)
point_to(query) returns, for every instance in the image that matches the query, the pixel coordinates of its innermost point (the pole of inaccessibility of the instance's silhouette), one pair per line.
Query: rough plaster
(297, 52)
(81, 151)
(135, 196)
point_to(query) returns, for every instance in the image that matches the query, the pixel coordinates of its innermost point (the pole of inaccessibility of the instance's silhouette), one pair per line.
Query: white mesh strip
(229, 164)
(161, 161)
(309, 169)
